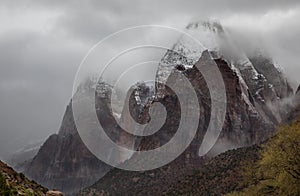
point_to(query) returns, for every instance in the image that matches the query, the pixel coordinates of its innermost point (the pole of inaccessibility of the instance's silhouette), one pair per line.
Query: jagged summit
(187, 51)
(262, 77)
(209, 35)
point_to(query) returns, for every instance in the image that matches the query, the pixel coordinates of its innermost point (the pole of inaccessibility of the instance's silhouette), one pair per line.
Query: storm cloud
(43, 42)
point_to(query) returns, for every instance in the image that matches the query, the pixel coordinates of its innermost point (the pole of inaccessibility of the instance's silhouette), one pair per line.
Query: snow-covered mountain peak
(261, 75)
(202, 36)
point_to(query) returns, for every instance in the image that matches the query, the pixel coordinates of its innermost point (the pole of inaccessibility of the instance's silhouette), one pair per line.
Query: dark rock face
(244, 124)
(63, 162)
(275, 77)
(294, 114)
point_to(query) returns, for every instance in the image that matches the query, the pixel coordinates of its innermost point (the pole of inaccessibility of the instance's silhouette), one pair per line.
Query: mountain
(13, 183)
(255, 89)
(243, 127)
(63, 162)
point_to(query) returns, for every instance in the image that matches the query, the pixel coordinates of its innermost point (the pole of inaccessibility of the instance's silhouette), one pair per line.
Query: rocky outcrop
(54, 193)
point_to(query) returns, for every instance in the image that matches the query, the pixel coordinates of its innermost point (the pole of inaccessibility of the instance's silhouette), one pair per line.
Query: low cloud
(43, 42)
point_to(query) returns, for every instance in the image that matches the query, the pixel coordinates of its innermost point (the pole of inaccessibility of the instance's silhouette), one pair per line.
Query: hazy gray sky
(43, 42)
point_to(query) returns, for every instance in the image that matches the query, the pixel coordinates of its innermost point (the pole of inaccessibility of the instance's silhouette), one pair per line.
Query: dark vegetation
(13, 183)
(5, 189)
(278, 171)
(218, 176)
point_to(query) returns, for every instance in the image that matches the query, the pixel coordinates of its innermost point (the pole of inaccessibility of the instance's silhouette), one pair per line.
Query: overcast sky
(43, 42)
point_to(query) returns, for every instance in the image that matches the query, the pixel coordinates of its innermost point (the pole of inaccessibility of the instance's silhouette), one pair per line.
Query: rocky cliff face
(246, 122)
(254, 88)
(294, 114)
(273, 74)
(63, 162)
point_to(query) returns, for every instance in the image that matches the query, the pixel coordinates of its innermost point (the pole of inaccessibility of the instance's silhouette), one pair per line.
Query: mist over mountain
(42, 44)
(256, 92)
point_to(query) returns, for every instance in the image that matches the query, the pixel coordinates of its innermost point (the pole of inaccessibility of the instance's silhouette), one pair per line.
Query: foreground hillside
(13, 183)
